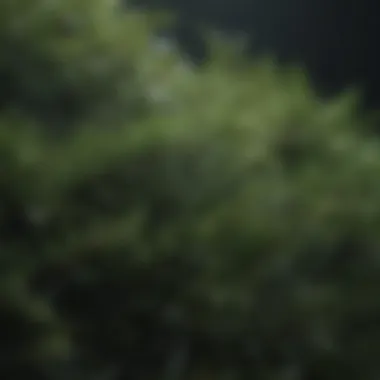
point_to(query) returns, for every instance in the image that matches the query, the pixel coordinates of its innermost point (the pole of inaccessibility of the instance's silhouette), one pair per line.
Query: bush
(194, 222)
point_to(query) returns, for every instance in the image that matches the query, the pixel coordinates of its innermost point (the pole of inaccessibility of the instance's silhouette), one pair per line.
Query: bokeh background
(176, 204)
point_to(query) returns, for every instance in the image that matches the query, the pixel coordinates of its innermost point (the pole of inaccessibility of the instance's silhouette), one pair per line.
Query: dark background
(335, 40)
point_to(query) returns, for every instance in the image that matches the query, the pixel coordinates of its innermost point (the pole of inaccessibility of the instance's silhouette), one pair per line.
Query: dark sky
(337, 40)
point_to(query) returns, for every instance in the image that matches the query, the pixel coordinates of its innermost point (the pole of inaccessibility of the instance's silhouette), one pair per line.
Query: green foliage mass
(160, 221)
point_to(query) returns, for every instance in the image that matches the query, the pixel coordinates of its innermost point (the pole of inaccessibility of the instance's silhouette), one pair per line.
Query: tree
(185, 222)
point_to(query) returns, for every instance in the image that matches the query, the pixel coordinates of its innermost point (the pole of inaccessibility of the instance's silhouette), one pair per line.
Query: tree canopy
(161, 220)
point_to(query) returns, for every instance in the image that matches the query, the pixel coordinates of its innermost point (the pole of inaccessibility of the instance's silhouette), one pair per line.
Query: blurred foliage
(195, 223)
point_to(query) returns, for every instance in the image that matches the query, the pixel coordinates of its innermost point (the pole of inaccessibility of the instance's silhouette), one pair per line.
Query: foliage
(204, 222)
